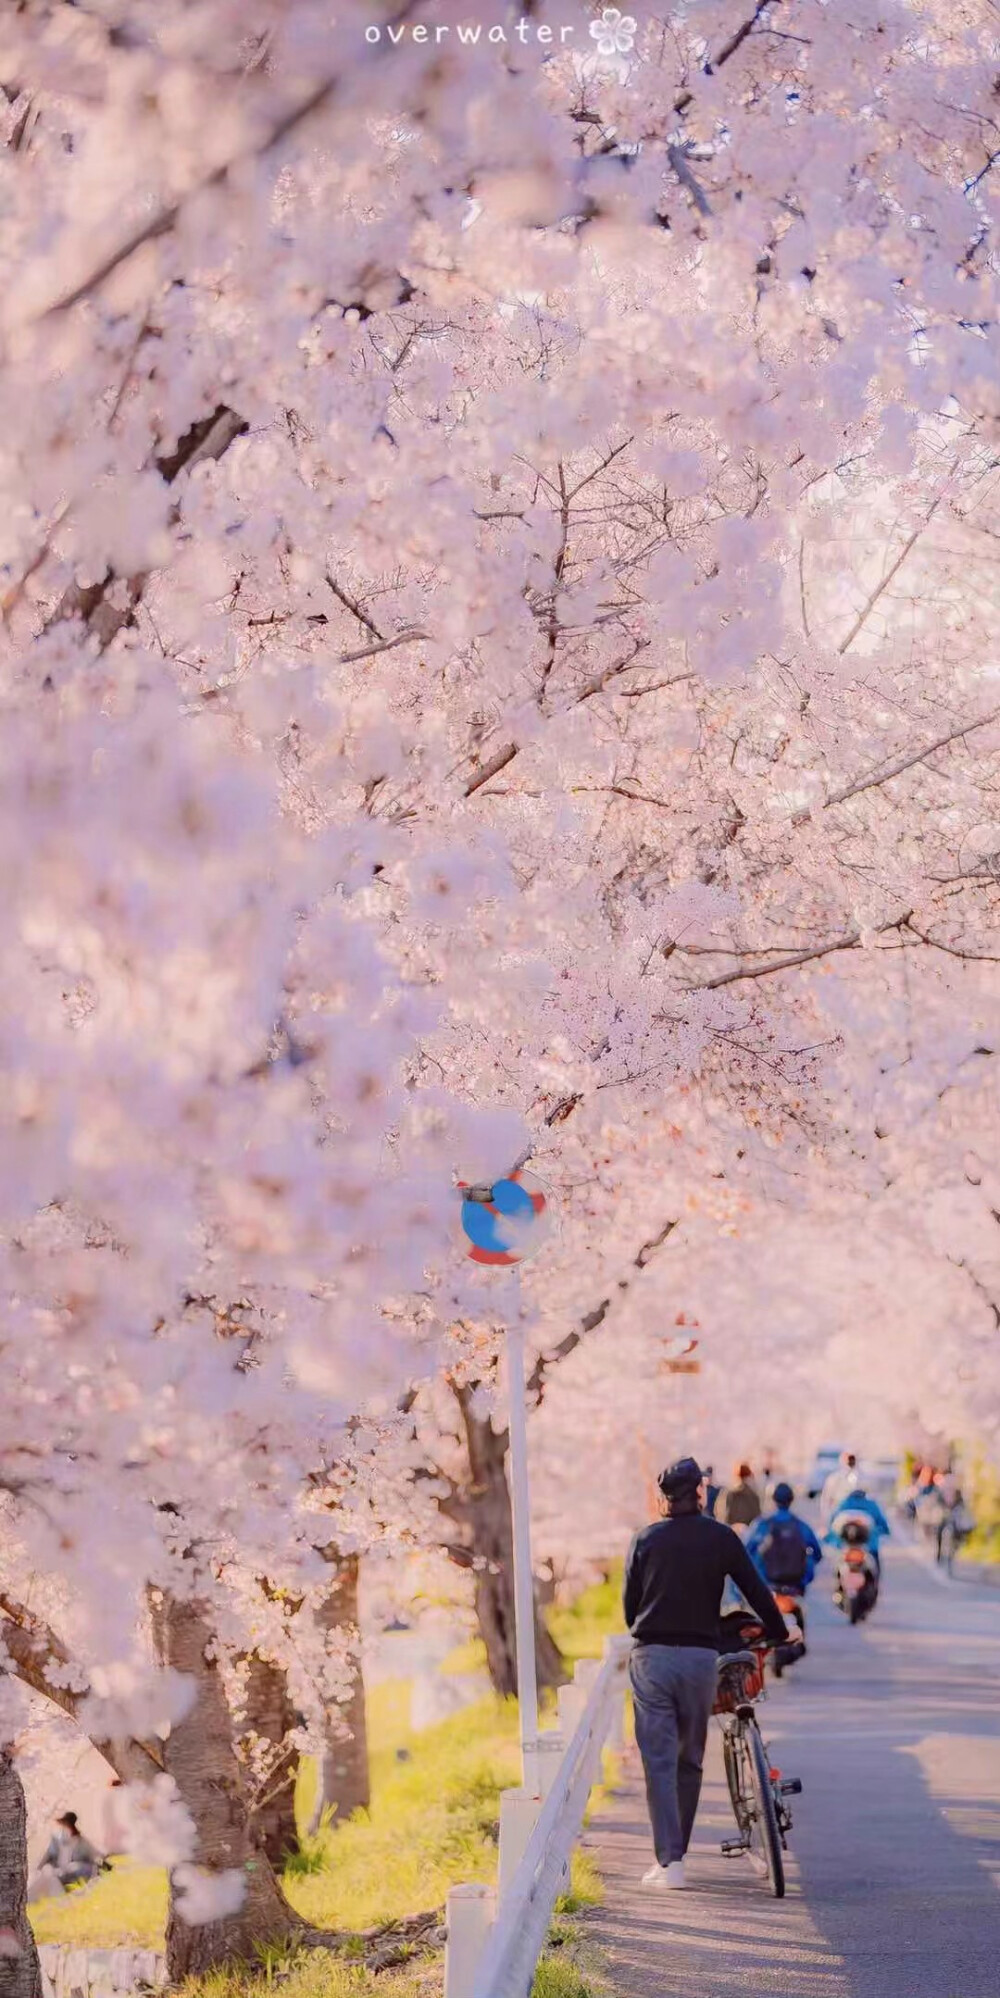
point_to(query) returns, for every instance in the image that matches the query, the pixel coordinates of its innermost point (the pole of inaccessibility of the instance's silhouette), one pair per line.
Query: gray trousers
(674, 1691)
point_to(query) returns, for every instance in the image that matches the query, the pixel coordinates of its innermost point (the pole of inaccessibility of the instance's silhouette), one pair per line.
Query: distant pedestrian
(839, 1485)
(742, 1502)
(713, 1492)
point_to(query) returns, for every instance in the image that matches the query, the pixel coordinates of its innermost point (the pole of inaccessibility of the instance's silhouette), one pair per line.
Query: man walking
(675, 1574)
(742, 1504)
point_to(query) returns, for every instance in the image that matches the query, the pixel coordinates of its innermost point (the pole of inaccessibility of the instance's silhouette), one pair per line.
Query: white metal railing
(490, 1953)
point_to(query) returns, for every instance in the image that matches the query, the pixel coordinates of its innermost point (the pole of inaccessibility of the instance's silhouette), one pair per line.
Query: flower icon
(614, 33)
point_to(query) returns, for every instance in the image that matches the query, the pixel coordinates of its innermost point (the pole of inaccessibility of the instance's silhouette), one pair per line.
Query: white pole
(469, 1915)
(524, 1590)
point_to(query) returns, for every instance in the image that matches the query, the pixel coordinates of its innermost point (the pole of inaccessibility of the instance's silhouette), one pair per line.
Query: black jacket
(674, 1577)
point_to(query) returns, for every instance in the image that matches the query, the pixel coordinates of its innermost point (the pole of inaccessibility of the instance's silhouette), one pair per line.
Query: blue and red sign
(507, 1222)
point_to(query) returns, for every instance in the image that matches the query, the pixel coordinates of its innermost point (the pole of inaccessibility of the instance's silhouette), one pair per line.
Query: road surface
(894, 1865)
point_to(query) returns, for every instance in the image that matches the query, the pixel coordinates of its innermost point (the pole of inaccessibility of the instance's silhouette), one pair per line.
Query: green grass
(581, 1628)
(127, 1905)
(432, 1821)
(983, 1495)
(567, 1976)
(316, 1974)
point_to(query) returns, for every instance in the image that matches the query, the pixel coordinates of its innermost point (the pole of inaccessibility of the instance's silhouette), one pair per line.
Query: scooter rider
(861, 1505)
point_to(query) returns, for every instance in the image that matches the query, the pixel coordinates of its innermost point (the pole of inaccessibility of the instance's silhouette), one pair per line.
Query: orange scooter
(791, 1602)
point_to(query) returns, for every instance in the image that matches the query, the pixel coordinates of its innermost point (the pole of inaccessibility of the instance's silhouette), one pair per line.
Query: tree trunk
(343, 1784)
(271, 1715)
(20, 1975)
(487, 1513)
(200, 1754)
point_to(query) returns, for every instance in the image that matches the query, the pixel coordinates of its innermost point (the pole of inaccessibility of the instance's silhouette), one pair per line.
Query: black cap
(684, 1476)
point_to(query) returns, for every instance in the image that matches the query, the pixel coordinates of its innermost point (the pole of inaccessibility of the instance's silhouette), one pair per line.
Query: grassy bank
(432, 1821)
(983, 1481)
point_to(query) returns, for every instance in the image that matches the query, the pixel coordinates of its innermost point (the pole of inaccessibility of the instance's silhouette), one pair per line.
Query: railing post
(618, 1648)
(519, 1813)
(470, 1912)
(570, 1702)
(549, 1748)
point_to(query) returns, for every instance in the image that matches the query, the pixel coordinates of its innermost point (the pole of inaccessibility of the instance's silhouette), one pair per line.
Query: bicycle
(757, 1790)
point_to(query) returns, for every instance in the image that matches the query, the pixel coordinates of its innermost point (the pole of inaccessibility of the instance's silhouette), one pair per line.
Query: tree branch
(893, 570)
(788, 963)
(590, 1321)
(902, 763)
(492, 768)
(384, 645)
(30, 1647)
(166, 217)
(678, 161)
(349, 604)
(977, 1284)
(735, 42)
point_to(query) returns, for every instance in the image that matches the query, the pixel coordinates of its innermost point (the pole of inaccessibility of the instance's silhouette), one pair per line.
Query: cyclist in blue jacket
(783, 1548)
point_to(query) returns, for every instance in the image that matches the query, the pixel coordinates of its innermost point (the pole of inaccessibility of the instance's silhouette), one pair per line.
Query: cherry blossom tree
(436, 729)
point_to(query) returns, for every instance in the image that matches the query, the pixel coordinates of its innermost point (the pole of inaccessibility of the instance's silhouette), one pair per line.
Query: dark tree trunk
(200, 1754)
(485, 1511)
(343, 1782)
(271, 1715)
(20, 1976)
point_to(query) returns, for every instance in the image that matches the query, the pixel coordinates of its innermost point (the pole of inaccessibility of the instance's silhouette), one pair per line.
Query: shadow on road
(895, 1861)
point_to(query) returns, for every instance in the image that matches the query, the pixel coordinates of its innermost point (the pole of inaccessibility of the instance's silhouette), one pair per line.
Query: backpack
(782, 1554)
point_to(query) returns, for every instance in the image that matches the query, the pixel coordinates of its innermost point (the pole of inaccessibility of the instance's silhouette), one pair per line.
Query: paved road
(894, 1880)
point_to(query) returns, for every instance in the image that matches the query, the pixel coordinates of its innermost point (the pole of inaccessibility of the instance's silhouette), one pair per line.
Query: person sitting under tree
(71, 1856)
(675, 1574)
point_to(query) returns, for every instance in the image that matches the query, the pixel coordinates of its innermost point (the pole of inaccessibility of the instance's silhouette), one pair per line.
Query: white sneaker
(669, 1877)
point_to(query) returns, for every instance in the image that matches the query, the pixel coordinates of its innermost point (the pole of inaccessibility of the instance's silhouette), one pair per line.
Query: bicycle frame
(758, 1792)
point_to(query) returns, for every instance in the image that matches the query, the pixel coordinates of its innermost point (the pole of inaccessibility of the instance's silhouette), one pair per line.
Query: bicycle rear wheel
(765, 1837)
(734, 1761)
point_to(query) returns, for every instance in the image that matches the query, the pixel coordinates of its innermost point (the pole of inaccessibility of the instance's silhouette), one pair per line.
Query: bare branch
(492, 768)
(802, 587)
(978, 1285)
(951, 950)
(600, 681)
(891, 573)
(902, 763)
(166, 217)
(678, 161)
(384, 645)
(349, 604)
(592, 1319)
(735, 42)
(787, 963)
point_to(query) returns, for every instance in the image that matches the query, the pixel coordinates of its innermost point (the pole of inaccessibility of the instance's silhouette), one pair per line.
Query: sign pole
(504, 1223)
(524, 1588)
